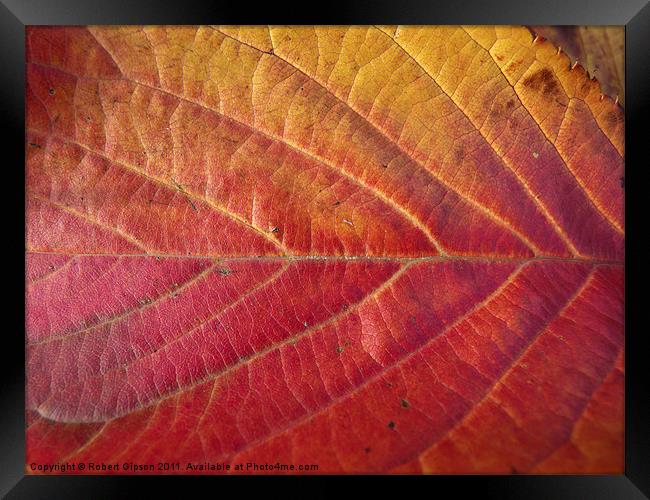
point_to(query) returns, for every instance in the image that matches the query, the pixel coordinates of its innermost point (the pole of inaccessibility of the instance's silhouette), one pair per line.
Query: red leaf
(368, 249)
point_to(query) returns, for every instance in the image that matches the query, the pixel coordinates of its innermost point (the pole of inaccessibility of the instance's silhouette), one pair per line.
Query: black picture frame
(16, 14)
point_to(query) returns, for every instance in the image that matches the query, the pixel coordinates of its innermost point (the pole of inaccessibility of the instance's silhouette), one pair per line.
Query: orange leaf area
(373, 249)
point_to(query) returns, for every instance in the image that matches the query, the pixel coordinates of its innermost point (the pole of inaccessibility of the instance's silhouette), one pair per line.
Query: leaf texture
(394, 249)
(601, 49)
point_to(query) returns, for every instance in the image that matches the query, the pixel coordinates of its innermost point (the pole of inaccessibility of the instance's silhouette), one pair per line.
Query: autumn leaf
(393, 249)
(600, 49)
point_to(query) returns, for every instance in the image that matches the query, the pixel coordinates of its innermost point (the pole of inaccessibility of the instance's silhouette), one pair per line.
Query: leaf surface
(600, 49)
(367, 248)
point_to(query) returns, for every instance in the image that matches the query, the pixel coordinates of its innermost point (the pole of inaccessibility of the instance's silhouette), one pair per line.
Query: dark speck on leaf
(336, 203)
(459, 154)
(52, 91)
(391, 425)
(340, 349)
(611, 118)
(34, 145)
(405, 403)
(224, 271)
(367, 450)
(543, 81)
(182, 190)
(276, 229)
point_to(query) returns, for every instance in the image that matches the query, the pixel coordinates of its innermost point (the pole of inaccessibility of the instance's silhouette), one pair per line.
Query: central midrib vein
(299, 258)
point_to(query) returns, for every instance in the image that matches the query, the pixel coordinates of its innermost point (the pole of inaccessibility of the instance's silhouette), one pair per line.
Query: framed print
(385, 242)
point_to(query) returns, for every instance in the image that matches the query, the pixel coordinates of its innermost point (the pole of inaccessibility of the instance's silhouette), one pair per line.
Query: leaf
(600, 49)
(393, 249)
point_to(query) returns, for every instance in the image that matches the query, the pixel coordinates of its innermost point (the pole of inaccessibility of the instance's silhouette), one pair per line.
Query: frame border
(634, 14)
